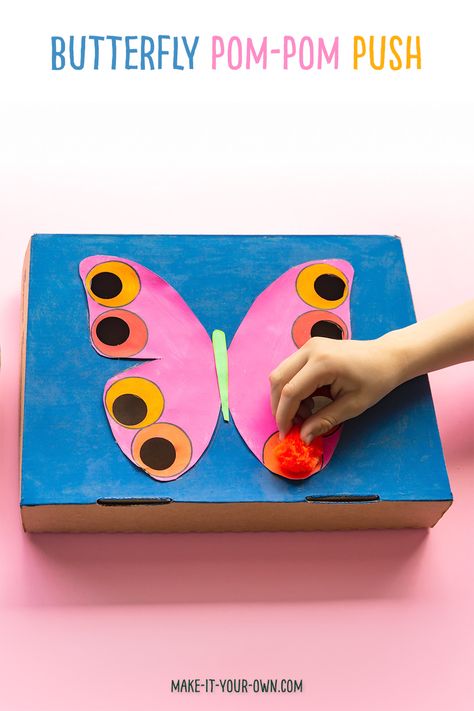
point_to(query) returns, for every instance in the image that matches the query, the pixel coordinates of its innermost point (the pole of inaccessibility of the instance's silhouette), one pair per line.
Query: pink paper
(184, 372)
(162, 413)
(261, 343)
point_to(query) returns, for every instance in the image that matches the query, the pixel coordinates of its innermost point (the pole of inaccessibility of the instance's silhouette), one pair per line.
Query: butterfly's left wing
(311, 299)
(162, 412)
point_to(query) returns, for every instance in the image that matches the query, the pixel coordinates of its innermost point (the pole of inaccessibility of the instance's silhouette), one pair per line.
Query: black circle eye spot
(106, 285)
(129, 409)
(112, 331)
(327, 329)
(158, 453)
(330, 287)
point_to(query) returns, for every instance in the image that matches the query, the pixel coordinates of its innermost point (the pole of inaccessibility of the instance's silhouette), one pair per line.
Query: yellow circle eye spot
(134, 402)
(322, 286)
(113, 283)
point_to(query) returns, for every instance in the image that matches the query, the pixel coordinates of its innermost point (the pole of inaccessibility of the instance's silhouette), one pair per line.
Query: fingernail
(308, 438)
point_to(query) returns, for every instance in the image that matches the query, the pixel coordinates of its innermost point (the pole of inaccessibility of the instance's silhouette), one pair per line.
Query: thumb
(328, 418)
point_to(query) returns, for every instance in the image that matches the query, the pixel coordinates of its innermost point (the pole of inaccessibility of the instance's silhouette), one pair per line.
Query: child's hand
(359, 374)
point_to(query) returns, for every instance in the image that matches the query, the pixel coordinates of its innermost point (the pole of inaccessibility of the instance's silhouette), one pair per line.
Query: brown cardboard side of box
(208, 517)
(25, 283)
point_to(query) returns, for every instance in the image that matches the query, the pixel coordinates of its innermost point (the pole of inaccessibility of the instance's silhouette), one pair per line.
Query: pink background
(368, 620)
(371, 620)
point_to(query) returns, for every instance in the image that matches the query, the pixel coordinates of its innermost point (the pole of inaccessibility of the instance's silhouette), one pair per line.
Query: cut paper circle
(119, 333)
(112, 283)
(163, 450)
(318, 323)
(134, 402)
(275, 462)
(322, 285)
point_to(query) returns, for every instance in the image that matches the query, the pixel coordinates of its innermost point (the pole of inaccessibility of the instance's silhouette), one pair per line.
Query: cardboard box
(388, 470)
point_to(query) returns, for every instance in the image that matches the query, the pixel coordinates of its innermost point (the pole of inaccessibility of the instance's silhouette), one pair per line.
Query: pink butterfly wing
(282, 318)
(163, 412)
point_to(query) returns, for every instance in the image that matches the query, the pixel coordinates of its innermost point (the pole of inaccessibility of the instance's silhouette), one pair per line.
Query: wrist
(399, 349)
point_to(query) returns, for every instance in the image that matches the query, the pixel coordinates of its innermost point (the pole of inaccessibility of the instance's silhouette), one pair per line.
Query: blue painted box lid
(69, 455)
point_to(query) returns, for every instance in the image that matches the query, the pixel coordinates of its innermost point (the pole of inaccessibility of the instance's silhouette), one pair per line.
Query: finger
(328, 417)
(301, 386)
(283, 374)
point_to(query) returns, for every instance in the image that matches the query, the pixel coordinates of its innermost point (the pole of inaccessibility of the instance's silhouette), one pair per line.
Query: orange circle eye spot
(318, 323)
(134, 402)
(119, 333)
(322, 286)
(113, 283)
(162, 450)
(292, 458)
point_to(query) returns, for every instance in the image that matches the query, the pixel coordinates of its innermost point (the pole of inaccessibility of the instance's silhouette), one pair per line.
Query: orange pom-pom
(295, 456)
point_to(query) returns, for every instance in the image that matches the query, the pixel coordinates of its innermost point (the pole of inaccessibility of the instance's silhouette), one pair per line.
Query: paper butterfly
(163, 412)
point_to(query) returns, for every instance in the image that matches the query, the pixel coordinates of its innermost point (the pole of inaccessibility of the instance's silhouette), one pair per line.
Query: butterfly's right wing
(308, 300)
